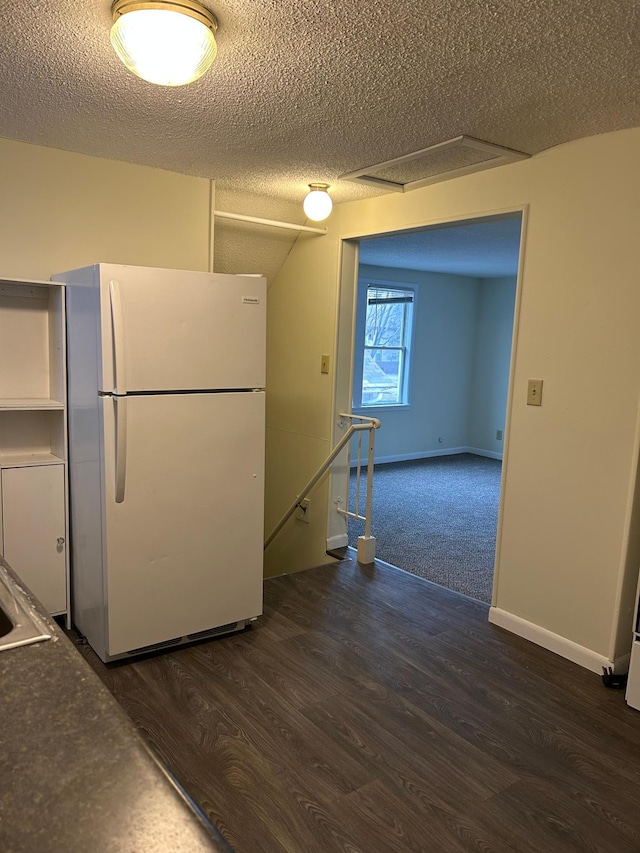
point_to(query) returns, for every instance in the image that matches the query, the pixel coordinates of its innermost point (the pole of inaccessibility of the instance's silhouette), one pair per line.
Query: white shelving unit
(33, 438)
(633, 682)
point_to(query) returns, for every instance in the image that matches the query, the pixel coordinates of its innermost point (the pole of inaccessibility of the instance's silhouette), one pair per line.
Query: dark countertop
(75, 775)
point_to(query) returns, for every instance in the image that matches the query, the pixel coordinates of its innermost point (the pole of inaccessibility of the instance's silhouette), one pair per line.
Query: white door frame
(344, 351)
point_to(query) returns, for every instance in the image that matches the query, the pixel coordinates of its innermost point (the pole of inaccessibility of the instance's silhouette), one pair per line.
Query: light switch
(534, 392)
(324, 364)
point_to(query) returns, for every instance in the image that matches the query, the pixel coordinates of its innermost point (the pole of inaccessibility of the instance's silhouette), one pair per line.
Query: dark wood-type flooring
(371, 711)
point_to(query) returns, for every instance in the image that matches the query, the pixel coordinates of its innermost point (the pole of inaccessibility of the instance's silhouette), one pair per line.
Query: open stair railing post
(366, 543)
(363, 424)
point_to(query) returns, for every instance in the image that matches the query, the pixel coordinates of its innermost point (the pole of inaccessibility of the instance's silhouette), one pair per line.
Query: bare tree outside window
(387, 329)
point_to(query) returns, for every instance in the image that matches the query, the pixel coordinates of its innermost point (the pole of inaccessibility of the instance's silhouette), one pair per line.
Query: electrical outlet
(302, 511)
(324, 364)
(534, 392)
(498, 435)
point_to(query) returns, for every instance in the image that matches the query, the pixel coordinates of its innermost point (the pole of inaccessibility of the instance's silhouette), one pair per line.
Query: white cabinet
(34, 535)
(33, 438)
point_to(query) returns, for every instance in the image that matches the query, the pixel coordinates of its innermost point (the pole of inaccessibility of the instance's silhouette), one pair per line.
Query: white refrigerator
(166, 376)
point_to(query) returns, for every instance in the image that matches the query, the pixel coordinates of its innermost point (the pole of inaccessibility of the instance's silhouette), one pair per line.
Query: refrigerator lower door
(183, 515)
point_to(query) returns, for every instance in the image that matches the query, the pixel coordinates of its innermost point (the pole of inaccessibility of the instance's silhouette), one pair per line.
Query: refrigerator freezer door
(184, 545)
(168, 330)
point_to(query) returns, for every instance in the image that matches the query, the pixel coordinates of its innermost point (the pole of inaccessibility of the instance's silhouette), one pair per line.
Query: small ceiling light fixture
(317, 203)
(167, 42)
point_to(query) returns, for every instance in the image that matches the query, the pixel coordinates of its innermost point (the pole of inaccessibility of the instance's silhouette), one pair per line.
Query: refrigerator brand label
(251, 300)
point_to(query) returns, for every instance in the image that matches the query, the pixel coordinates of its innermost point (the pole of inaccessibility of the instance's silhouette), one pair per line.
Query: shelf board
(23, 281)
(32, 404)
(26, 460)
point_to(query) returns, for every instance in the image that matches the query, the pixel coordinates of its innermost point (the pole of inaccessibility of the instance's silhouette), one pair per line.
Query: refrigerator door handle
(120, 406)
(117, 325)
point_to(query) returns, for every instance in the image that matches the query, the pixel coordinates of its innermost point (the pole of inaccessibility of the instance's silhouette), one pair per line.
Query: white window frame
(364, 283)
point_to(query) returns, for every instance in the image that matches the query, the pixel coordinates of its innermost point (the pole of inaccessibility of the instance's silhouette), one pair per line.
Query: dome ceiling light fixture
(166, 42)
(317, 203)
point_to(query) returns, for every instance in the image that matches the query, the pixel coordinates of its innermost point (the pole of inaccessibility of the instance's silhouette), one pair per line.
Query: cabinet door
(34, 530)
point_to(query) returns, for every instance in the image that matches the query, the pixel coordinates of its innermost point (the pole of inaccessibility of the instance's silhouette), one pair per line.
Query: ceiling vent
(461, 155)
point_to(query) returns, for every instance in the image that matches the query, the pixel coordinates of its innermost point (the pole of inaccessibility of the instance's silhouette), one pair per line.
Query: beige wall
(60, 210)
(564, 563)
(570, 541)
(300, 327)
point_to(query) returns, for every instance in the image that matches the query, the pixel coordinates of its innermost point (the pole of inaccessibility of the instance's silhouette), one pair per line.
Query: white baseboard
(428, 454)
(421, 454)
(548, 640)
(490, 454)
(335, 542)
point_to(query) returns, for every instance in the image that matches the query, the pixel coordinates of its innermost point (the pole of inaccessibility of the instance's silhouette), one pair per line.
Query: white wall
(460, 369)
(491, 362)
(441, 374)
(578, 318)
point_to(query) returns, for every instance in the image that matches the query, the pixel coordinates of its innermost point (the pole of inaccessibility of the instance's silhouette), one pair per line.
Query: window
(386, 348)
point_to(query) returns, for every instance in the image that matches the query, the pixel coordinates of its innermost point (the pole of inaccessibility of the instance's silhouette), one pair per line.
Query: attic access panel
(461, 155)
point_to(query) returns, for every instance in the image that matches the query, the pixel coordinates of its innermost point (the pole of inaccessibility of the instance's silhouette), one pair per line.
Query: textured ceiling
(309, 90)
(479, 249)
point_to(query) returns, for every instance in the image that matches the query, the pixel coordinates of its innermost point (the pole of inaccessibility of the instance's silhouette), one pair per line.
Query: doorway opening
(432, 339)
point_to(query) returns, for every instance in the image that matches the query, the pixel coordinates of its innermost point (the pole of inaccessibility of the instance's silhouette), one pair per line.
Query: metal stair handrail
(369, 424)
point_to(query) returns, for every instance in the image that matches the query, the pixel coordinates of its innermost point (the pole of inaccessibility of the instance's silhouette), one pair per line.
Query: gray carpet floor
(437, 519)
